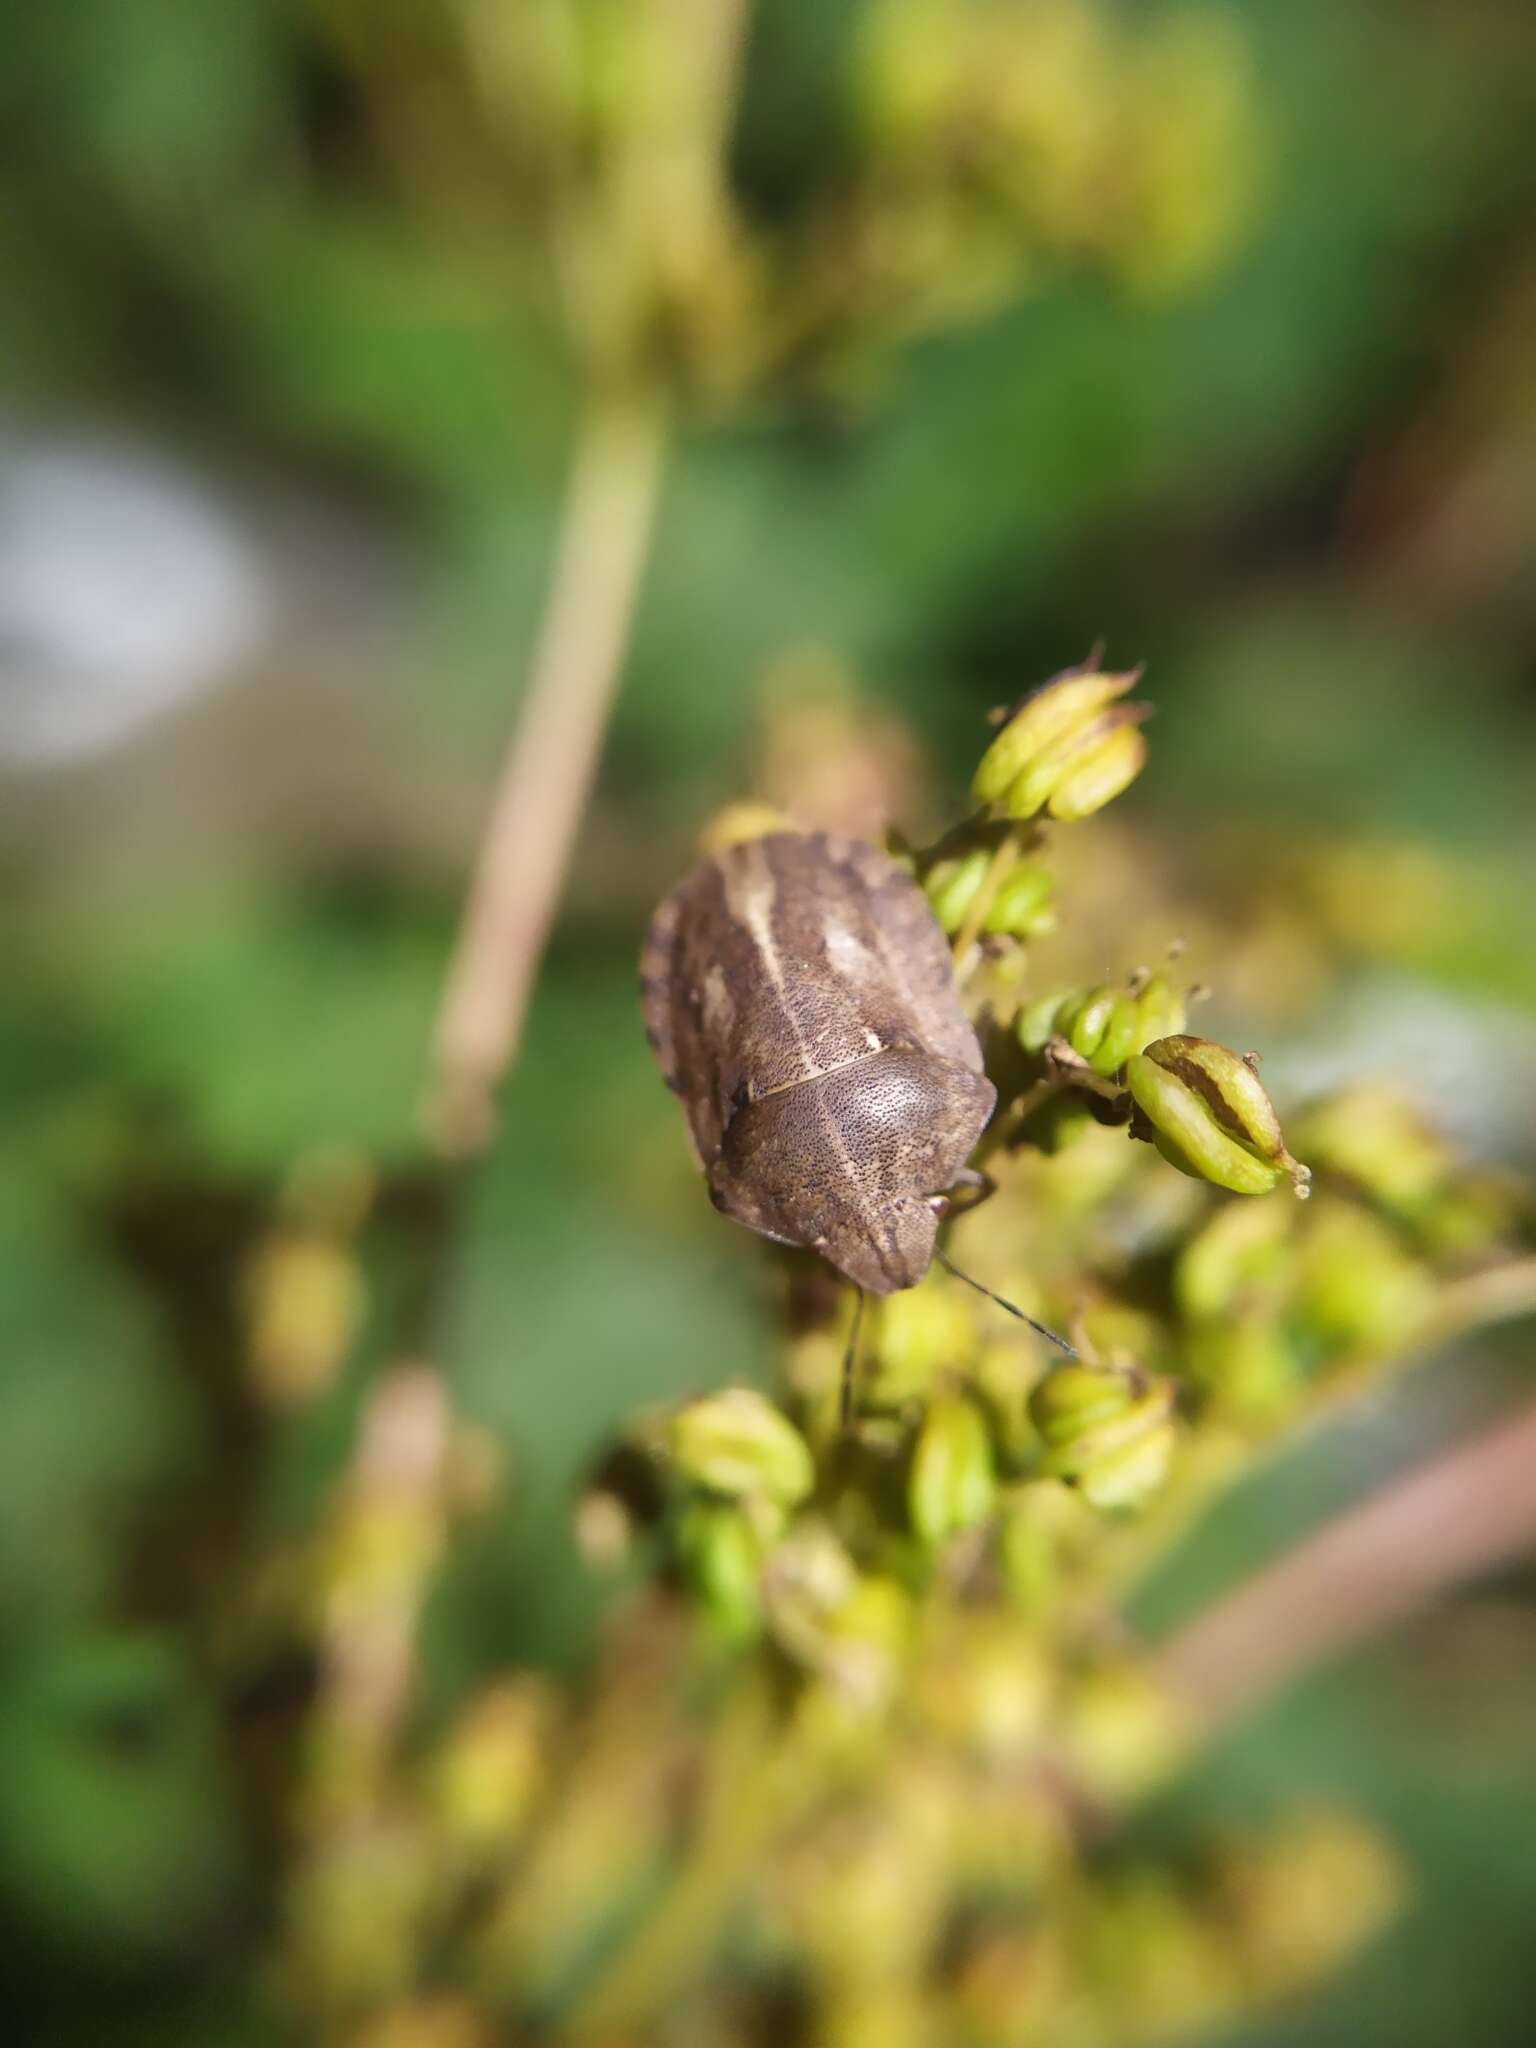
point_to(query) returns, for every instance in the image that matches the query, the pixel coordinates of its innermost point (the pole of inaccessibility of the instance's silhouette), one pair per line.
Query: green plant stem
(550, 765)
(1004, 855)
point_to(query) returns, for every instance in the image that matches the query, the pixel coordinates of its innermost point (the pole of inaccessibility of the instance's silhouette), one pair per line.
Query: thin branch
(550, 765)
(1463, 1513)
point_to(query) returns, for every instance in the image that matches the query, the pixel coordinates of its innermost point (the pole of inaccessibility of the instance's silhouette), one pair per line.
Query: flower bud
(1206, 1111)
(1037, 1020)
(1096, 775)
(1045, 722)
(923, 1330)
(1110, 1433)
(738, 1444)
(951, 887)
(952, 1484)
(1042, 1531)
(1245, 1251)
(1021, 906)
(721, 1554)
(1357, 1283)
(1082, 1022)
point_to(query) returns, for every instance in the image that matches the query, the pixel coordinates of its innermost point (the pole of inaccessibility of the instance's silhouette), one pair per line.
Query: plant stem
(1004, 855)
(1458, 1515)
(550, 765)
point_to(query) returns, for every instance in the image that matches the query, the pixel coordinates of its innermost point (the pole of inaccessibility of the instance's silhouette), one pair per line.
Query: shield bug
(800, 999)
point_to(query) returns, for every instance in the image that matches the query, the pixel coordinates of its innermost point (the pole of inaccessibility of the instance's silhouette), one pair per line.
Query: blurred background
(1208, 332)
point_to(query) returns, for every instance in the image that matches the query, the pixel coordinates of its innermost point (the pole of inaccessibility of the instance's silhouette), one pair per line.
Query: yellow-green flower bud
(1037, 1020)
(1358, 1285)
(722, 1557)
(951, 887)
(922, 1330)
(1375, 1139)
(1122, 1733)
(1097, 775)
(1209, 1116)
(1082, 771)
(1081, 1022)
(1246, 1249)
(1022, 903)
(1160, 1008)
(952, 1484)
(737, 1443)
(1110, 1433)
(1043, 1528)
(1122, 1035)
(1062, 710)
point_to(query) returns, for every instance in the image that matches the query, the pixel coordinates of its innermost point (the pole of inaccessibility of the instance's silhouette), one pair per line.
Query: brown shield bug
(799, 997)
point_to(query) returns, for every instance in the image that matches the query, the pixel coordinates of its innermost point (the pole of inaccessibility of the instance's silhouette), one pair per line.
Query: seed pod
(738, 1444)
(1206, 1111)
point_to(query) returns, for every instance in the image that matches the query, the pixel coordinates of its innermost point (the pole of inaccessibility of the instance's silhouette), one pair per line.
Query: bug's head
(886, 1248)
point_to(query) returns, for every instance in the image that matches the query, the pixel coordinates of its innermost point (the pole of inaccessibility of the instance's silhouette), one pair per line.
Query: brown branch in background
(550, 765)
(1463, 1513)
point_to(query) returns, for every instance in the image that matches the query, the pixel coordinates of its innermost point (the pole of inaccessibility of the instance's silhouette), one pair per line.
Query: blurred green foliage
(1284, 476)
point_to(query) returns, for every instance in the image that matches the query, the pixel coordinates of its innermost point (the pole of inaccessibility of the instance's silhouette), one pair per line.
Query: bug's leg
(850, 1360)
(978, 1186)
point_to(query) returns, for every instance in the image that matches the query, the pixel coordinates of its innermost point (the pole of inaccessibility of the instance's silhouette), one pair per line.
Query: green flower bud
(1082, 1023)
(1122, 1035)
(1357, 1284)
(1160, 1011)
(951, 886)
(1042, 1531)
(1110, 1433)
(1022, 903)
(1097, 775)
(1246, 1248)
(1209, 1115)
(923, 1330)
(737, 1443)
(1037, 1020)
(722, 1558)
(1248, 1365)
(952, 1484)
(1375, 1139)
(1122, 1732)
(1062, 710)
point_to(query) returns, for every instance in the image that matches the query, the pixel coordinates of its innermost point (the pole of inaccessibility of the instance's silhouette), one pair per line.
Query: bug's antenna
(850, 1359)
(1050, 1335)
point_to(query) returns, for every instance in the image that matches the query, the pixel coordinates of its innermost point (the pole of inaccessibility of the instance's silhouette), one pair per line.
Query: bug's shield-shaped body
(799, 997)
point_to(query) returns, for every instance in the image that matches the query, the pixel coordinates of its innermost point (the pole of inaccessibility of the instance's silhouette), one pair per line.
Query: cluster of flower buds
(1104, 1025)
(1110, 1432)
(1067, 749)
(1020, 903)
(1207, 1112)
